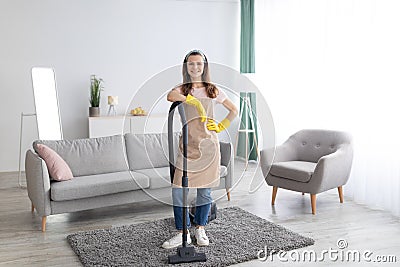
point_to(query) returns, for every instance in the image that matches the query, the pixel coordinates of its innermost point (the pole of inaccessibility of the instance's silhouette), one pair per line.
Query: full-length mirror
(46, 104)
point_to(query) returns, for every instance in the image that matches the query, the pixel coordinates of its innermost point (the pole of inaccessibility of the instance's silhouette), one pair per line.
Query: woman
(199, 96)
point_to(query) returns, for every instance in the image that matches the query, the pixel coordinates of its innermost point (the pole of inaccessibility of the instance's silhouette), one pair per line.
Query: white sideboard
(112, 125)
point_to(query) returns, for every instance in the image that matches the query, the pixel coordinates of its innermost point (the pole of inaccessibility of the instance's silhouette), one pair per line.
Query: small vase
(94, 111)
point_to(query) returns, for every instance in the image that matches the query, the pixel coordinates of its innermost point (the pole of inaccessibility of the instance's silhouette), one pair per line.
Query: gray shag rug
(235, 236)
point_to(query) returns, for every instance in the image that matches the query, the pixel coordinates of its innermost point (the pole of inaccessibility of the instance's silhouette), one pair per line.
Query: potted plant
(96, 86)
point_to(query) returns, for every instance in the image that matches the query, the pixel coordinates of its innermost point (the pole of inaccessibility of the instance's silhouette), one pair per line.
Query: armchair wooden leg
(340, 190)
(44, 224)
(33, 208)
(228, 194)
(302, 193)
(313, 203)
(274, 191)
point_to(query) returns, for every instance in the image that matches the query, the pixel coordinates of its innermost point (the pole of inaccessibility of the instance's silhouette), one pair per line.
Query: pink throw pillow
(58, 168)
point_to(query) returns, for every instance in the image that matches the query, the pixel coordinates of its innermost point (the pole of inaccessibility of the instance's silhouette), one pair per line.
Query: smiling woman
(198, 95)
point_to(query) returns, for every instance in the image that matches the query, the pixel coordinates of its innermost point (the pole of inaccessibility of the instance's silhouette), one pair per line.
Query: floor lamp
(248, 118)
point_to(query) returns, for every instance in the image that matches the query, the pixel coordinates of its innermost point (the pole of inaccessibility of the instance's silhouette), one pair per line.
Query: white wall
(329, 64)
(124, 42)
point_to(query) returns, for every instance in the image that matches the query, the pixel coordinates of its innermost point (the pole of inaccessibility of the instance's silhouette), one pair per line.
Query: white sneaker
(176, 241)
(201, 237)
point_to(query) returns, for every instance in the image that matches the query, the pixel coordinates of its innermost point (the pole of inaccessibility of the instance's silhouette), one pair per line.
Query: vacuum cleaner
(186, 253)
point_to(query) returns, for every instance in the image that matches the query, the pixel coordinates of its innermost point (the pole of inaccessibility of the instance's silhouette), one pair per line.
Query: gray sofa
(108, 171)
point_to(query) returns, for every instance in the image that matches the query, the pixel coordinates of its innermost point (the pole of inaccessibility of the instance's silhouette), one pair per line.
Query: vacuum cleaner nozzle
(186, 254)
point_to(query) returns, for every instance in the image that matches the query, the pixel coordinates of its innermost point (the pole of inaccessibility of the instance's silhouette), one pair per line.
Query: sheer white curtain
(335, 64)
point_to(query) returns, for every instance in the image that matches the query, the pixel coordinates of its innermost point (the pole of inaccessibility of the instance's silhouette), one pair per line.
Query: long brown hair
(187, 84)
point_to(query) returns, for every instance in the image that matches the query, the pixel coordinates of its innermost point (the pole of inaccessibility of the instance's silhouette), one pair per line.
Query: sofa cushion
(160, 177)
(57, 167)
(98, 185)
(146, 151)
(91, 155)
(300, 171)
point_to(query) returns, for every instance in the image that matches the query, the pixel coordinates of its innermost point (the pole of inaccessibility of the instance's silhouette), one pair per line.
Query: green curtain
(247, 111)
(247, 55)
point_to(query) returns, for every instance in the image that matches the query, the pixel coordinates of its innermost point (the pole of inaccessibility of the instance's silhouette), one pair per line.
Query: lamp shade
(112, 100)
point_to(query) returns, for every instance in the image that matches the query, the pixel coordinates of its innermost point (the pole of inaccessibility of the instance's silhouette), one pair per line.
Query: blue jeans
(203, 205)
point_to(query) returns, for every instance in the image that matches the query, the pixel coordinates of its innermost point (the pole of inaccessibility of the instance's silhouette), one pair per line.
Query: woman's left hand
(212, 126)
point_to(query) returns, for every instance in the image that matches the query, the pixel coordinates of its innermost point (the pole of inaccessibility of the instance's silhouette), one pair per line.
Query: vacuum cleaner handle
(185, 253)
(182, 114)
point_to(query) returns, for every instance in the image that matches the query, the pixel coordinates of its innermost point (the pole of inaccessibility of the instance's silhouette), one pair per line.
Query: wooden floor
(23, 244)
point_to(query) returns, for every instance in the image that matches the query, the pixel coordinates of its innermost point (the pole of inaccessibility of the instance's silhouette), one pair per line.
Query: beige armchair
(310, 161)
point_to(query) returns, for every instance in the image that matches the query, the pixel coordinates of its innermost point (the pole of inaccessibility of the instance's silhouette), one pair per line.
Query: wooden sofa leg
(313, 203)
(33, 208)
(228, 194)
(340, 190)
(44, 224)
(274, 191)
(302, 193)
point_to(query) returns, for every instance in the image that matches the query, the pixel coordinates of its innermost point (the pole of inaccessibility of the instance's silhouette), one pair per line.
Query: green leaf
(95, 90)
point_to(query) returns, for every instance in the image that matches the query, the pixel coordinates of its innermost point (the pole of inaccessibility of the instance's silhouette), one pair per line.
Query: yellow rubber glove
(223, 125)
(191, 100)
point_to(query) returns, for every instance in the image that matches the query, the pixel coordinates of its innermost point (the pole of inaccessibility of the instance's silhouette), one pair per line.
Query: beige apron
(203, 151)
